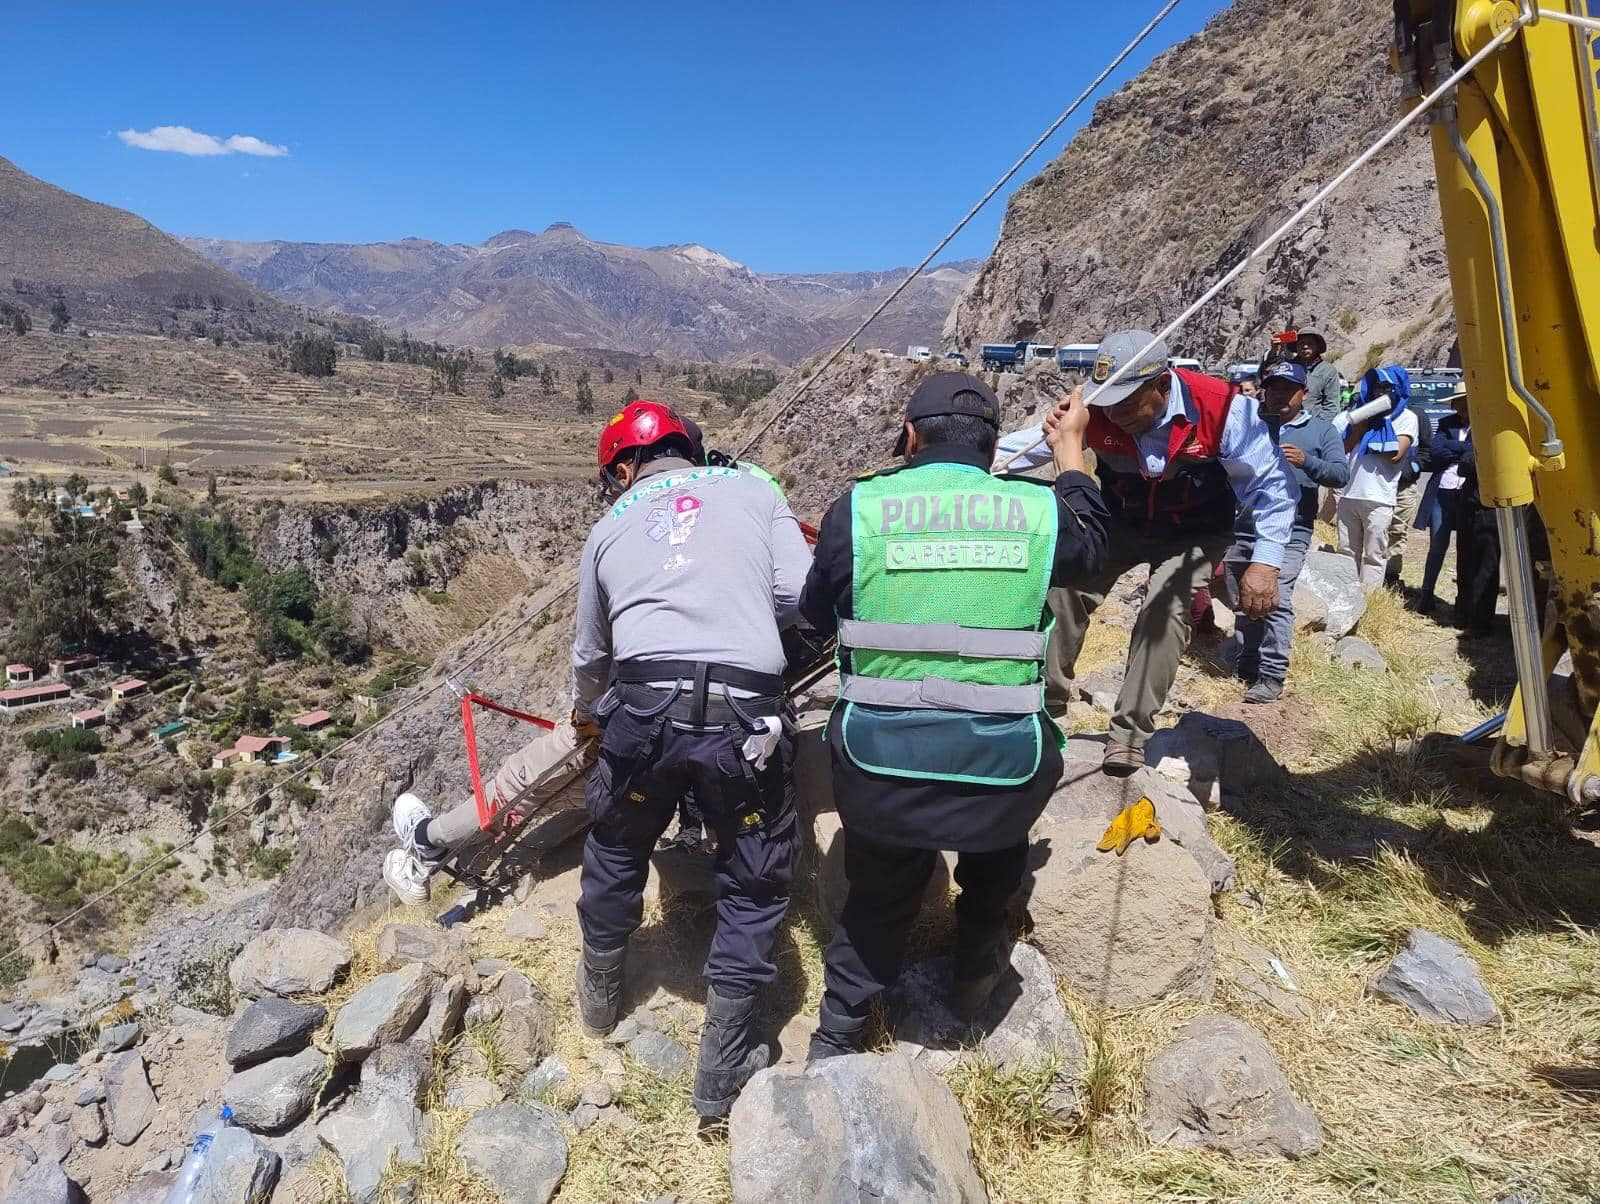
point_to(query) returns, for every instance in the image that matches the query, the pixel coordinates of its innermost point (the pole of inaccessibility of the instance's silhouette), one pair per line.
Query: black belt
(688, 699)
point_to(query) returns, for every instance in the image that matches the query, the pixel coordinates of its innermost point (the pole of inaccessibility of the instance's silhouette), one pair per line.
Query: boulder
(862, 1127)
(473, 1094)
(526, 924)
(1091, 798)
(518, 1149)
(832, 887)
(238, 1168)
(445, 950)
(129, 1098)
(523, 1035)
(276, 1094)
(272, 1027)
(1218, 1086)
(403, 1071)
(1210, 757)
(89, 1124)
(445, 1009)
(370, 1134)
(289, 961)
(1353, 652)
(549, 1075)
(1435, 978)
(45, 1183)
(389, 1008)
(1328, 594)
(1122, 931)
(1023, 1027)
(118, 1038)
(659, 1054)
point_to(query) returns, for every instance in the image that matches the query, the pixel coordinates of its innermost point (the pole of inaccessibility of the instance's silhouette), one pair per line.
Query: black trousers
(1477, 564)
(645, 766)
(886, 887)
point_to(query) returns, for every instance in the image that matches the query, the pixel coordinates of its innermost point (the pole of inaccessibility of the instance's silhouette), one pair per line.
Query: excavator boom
(1517, 154)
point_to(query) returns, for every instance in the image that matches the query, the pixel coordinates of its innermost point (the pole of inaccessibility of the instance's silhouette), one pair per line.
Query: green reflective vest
(947, 635)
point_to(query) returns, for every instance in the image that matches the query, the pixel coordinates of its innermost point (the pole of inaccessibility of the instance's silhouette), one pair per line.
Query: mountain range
(559, 287)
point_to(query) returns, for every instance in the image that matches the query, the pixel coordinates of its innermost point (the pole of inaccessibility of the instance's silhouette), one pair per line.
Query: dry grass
(1412, 1111)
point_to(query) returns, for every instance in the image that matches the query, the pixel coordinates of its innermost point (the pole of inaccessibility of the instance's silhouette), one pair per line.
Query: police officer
(683, 586)
(934, 576)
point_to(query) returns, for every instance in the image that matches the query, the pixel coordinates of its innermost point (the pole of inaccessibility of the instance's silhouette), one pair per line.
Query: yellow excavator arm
(1517, 152)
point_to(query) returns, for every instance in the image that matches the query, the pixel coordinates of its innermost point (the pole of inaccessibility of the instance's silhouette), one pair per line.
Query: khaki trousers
(522, 771)
(1178, 568)
(1405, 515)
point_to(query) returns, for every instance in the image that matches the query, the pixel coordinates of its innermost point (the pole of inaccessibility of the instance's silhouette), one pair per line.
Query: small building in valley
(174, 728)
(222, 758)
(313, 720)
(131, 688)
(32, 696)
(19, 674)
(68, 665)
(260, 748)
(93, 717)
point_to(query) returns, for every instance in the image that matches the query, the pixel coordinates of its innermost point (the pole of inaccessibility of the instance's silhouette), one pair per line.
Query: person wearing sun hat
(1178, 455)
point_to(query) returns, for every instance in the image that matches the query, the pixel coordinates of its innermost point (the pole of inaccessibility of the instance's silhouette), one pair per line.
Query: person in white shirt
(1378, 447)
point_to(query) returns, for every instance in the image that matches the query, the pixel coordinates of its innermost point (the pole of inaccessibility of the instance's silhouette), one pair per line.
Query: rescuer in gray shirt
(684, 584)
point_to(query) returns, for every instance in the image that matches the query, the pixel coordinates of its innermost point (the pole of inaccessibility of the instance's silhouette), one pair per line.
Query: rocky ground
(1348, 969)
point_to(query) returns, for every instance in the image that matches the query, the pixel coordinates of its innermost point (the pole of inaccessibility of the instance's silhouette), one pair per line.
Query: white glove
(759, 747)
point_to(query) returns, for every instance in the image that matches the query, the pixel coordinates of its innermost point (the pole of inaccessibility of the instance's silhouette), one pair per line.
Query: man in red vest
(1182, 459)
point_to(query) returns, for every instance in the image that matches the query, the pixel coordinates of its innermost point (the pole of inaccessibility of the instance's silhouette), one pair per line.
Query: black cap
(950, 393)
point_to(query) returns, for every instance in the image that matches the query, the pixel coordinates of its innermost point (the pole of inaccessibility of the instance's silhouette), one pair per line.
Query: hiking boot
(1121, 760)
(729, 1054)
(1265, 690)
(982, 959)
(836, 1036)
(599, 988)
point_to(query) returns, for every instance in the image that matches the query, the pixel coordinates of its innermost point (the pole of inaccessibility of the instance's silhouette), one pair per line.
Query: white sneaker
(408, 811)
(406, 876)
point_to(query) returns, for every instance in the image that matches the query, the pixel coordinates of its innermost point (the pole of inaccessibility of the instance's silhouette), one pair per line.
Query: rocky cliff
(1192, 163)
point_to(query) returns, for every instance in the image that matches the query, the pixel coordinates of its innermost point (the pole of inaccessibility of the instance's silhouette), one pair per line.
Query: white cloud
(181, 140)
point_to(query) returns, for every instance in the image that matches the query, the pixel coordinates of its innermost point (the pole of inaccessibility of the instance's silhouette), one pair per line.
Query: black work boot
(836, 1036)
(729, 1053)
(982, 957)
(600, 988)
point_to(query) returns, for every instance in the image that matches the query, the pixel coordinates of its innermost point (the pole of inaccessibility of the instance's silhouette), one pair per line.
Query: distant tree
(64, 586)
(252, 711)
(76, 485)
(547, 381)
(638, 376)
(311, 354)
(167, 474)
(497, 385)
(15, 317)
(58, 316)
(216, 336)
(211, 488)
(694, 380)
(585, 396)
(138, 495)
(608, 377)
(372, 348)
(450, 372)
(631, 395)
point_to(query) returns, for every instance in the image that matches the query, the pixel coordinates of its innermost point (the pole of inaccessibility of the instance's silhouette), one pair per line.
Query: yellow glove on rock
(1133, 821)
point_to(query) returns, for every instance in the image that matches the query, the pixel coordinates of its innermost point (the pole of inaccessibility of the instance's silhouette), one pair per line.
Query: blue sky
(793, 137)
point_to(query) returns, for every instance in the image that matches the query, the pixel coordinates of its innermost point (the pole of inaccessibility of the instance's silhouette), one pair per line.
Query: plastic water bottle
(189, 1175)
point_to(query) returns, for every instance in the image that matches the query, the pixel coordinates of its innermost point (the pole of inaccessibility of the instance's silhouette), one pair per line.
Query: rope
(1424, 106)
(1050, 130)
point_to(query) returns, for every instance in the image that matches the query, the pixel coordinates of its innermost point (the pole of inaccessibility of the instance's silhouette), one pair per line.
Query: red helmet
(640, 424)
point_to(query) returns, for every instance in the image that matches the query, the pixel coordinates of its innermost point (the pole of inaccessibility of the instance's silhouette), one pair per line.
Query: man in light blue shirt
(1179, 457)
